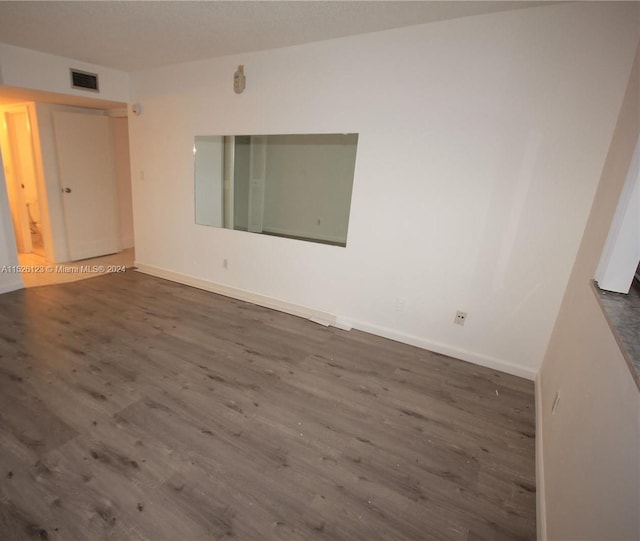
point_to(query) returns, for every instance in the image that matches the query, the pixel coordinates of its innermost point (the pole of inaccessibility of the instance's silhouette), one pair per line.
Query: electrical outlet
(460, 318)
(225, 264)
(401, 304)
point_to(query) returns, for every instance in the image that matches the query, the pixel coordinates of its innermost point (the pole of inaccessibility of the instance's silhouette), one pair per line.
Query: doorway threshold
(37, 271)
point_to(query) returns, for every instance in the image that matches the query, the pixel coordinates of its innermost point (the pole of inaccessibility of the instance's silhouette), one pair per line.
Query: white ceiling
(135, 35)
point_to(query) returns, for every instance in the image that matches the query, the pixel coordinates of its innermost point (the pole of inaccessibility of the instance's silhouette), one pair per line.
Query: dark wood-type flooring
(133, 408)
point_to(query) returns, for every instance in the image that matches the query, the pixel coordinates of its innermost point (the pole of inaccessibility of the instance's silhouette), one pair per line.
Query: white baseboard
(12, 284)
(445, 349)
(337, 321)
(541, 507)
(342, 323)
(240, 294)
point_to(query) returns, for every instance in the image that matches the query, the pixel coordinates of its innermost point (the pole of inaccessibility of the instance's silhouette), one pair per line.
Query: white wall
(621, 254)
(120, 136)
(9, 281)
(481, 144)
(24, 68)
(592, 444)
(589, 450)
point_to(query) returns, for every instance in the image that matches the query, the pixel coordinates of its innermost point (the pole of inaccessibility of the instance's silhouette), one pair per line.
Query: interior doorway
(33, 152)
(21, 177)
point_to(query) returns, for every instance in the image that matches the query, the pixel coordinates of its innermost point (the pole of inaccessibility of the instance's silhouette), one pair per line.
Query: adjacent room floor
(132, 408)
(40, 272)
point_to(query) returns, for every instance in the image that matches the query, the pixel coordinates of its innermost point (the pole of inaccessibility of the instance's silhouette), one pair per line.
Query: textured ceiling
(144, 34)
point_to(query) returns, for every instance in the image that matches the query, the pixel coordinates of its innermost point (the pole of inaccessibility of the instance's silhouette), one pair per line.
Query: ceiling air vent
(84, 80)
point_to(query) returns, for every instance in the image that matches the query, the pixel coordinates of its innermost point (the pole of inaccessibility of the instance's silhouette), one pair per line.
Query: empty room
(312, 270)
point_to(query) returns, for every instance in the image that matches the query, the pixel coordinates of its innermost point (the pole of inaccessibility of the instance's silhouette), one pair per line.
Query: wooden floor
(133, 408)
(38, 271)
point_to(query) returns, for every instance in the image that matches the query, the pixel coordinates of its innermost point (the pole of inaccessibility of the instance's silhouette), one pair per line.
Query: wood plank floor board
(135, 408)
(433, 416)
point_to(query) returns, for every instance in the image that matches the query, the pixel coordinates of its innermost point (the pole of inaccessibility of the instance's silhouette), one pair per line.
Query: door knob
(67, 190)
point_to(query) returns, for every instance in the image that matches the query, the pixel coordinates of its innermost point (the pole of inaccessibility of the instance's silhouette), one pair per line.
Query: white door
(87, 179)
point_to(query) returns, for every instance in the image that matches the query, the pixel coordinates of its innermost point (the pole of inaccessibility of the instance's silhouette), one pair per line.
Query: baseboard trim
(336, 321)
(240, 294)
(12, 285)
(541, 506)
(445, 349)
